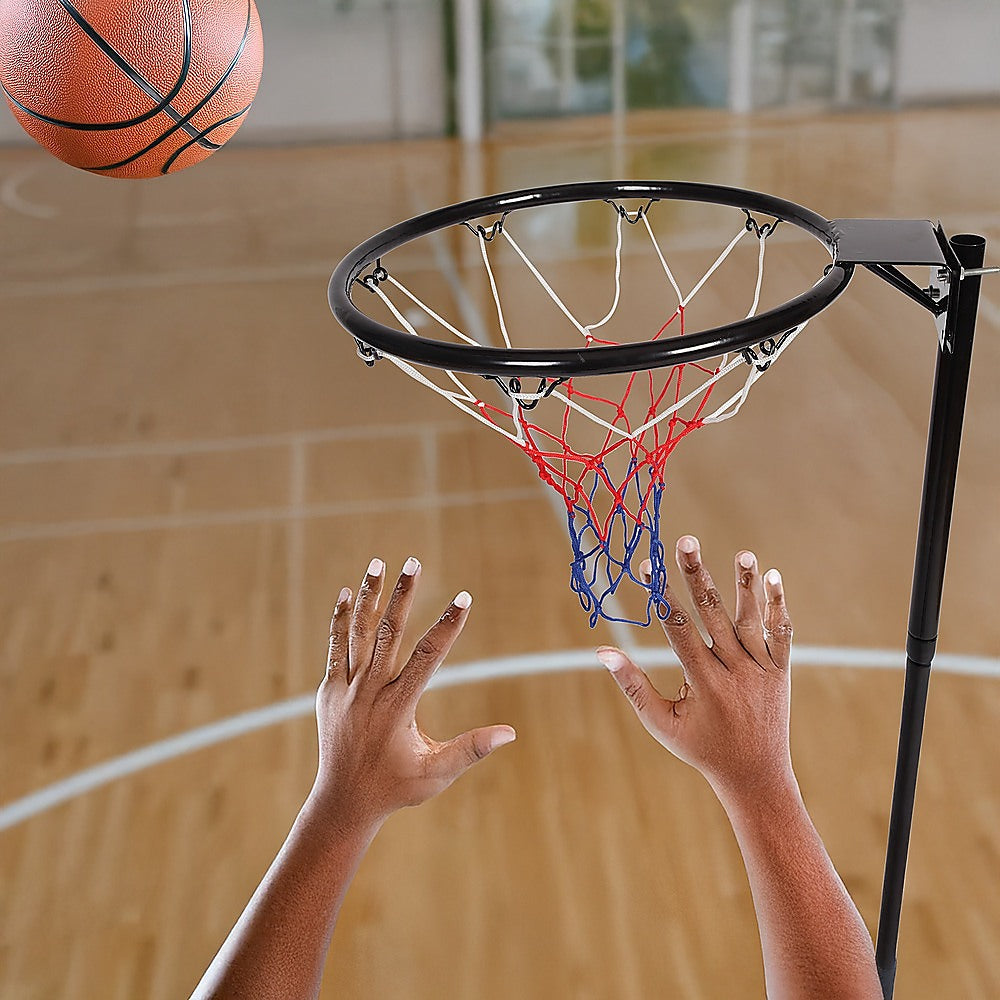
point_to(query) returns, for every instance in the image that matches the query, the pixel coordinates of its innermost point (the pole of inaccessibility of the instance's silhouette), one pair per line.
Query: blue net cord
(596, 572)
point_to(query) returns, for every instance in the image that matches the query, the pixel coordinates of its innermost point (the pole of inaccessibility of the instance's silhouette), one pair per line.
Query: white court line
(140, 281)
(143, 449)
(258, 515)
(501, 668)
(173, 220)
(10, 196)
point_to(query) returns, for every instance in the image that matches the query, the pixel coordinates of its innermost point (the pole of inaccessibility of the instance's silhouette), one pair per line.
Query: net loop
(367, 353)
(526, 400)
(632, 219)
(375, 277)
(760, 231)
(768, 349)
(488, 234)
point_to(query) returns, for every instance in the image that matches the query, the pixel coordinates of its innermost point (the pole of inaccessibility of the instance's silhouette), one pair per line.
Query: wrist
(778, 791)
(342, 817)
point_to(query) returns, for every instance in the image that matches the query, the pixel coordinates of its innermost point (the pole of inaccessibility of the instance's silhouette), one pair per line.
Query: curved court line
(10, 195)
(527, 664)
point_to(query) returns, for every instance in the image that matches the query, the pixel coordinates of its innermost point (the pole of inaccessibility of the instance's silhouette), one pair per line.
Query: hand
(373, 757)
(730, 717)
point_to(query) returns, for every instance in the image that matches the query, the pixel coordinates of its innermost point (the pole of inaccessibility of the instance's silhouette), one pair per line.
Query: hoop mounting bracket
(881, 245)
(886, 241)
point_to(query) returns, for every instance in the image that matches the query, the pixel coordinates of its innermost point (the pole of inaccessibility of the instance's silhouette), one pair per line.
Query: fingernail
(410, 567)
(773, 579)
(646, 569)
(500, 737)
(463, 600)
(345, 596)
(375, 567)
(747, 560)
(612, 658)
(687, 544)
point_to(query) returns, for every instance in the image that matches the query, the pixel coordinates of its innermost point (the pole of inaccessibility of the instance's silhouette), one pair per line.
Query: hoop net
(603, 453)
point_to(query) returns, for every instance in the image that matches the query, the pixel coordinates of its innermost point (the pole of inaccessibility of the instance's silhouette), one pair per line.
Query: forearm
(814, 942)
(279, 944)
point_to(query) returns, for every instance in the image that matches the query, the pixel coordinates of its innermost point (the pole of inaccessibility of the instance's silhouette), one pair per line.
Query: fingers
(681, 633)
(777, 624)
(749, 622)
(456, 756)
(389, 632)
(654, 711)
(364, 619)
(337, 662)
(705, 594)
(432, 648)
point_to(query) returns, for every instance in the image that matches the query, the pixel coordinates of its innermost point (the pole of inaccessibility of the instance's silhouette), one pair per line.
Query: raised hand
(730, 718)
(373, 757)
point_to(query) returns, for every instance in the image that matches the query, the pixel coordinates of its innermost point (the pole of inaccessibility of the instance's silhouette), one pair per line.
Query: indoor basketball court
(194, 461)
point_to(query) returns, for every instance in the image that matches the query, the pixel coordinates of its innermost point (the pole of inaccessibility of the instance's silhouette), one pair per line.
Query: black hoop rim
(566, 363)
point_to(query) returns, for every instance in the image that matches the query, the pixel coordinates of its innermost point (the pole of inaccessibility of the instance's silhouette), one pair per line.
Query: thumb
(456, 756)
(636, 686)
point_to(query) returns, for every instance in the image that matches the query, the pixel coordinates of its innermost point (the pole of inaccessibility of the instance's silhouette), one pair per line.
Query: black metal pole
(951, 380)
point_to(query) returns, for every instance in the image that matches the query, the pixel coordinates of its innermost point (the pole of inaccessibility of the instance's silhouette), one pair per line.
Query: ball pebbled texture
(134, 88)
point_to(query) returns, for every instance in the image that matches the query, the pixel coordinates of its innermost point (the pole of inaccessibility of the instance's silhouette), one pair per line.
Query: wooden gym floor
(193, 462)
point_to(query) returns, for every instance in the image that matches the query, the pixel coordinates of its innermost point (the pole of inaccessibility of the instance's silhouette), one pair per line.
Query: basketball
(136, 88)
